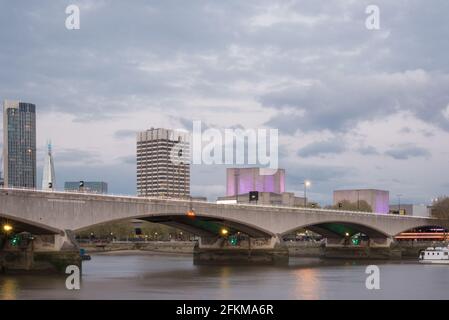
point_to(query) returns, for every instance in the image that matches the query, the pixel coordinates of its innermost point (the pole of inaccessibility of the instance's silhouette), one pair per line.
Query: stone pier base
(42, 254)
(240, 256)
(353, 252)
(253, 251)
(38, 262)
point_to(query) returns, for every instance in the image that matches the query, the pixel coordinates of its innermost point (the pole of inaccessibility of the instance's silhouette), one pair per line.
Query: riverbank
(403, 250)
(183, 247)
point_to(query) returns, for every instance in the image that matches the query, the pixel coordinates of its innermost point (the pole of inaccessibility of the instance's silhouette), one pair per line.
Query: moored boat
(435, 255)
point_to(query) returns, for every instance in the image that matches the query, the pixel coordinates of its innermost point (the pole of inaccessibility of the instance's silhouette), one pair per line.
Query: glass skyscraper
(19, 144)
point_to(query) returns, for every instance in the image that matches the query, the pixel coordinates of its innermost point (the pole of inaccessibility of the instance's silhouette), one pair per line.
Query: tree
(440, 209)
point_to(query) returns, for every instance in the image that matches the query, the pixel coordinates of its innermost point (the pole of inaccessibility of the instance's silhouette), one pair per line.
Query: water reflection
(8, 288)
(151, 276)
(307, 286)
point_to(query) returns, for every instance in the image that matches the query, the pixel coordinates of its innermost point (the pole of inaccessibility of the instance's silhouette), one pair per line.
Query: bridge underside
(337, 230)
(207, 226)
(20, 225)
(341, 229)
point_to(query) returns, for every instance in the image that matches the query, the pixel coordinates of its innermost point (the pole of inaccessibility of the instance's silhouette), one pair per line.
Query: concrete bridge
(43, 213)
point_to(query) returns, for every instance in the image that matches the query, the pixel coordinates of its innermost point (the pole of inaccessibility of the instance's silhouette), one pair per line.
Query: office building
(98, 187)
(163, 166)
(379, 200)
(48, 175)
(244, 180)
(19, 144)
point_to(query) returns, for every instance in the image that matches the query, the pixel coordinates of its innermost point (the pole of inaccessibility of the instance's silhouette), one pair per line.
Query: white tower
(48, 176)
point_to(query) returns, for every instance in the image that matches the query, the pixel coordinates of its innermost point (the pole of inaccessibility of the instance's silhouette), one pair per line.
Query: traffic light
(340, 205)
(50, 185)
(253, 196)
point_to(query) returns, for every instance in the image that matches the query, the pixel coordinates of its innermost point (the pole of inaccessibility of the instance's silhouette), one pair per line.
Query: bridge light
(190, 213)
(15, 240)
(7, 227)
(224, 232)
(233, 240)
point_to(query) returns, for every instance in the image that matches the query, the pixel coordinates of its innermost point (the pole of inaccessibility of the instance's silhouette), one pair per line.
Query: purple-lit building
(244, 180)
(379, 200)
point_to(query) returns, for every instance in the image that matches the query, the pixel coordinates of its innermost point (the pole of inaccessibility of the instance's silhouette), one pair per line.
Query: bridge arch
(22, 225)
(340, 229)
(198, 224)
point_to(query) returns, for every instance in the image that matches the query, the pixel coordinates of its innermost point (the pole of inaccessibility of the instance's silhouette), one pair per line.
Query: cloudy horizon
(355, 108)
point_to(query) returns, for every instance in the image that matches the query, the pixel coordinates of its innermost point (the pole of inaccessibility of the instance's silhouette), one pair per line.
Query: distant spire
(48, 176)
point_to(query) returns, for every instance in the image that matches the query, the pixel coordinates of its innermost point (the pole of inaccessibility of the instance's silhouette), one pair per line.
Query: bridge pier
(39, 254)
(376, 248)
(218, 250)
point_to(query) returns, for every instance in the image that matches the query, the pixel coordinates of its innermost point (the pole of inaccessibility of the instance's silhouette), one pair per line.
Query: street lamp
(7, 228)
(306, 184)
(399, 203)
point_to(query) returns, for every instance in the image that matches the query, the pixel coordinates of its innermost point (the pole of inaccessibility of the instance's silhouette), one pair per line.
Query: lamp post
(306, 184)
(399, 203)
(236, 185)
(358, 200)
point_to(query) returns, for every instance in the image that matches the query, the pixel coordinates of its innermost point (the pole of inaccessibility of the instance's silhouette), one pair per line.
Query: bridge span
(48, 212)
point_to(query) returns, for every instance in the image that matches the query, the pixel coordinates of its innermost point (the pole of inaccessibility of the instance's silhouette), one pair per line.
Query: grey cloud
(340, 102)
(76, 156)
(322, 148)
(405, 152)
(425, 133)
(161, 57)
(128, 160)
(367, 150)
(125, 134)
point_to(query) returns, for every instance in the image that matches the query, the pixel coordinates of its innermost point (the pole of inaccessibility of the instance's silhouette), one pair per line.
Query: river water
(142, 275)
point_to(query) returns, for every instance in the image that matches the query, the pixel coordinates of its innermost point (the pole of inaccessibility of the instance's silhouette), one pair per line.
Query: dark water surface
(134, 275)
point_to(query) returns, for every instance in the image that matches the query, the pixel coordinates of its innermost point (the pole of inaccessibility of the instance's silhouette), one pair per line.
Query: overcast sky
(355, 108)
